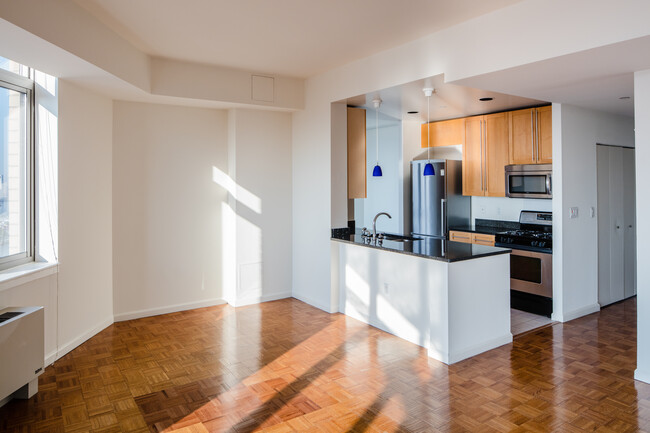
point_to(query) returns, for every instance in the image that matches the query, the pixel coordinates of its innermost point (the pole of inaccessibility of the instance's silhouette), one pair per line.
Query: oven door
(531, 272)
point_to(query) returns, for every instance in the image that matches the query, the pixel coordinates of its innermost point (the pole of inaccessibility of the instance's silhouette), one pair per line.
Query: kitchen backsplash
(505, 208)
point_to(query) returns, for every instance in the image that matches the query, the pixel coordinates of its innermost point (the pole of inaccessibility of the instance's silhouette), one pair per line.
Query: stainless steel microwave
(529, 180)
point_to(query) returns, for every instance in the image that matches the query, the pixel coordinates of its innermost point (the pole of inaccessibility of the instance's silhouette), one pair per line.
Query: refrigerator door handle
(443, 220)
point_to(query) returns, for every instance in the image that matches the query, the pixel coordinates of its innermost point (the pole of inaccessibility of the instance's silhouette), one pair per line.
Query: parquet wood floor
(284, 366)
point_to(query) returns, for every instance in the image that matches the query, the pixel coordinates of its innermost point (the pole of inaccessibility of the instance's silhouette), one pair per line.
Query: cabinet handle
(481, 133)
(485, 159)
(537, 135)
(532, 136)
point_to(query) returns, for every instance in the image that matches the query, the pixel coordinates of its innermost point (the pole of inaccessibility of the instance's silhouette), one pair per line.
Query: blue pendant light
(376, 172)
(428, 168)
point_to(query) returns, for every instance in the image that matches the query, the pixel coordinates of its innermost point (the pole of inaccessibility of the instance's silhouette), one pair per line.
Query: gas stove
(531, 262)
(535, 233)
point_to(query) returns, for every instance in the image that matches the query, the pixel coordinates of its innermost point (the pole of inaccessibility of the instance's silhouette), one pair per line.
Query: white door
(629, 218)
(616, 225)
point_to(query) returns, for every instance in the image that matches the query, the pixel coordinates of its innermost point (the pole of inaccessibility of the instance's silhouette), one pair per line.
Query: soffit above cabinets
(448, 101)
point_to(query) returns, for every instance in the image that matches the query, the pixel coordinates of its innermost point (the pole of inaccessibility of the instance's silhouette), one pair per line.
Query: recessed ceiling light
(412, 112)
(485, 99)
(624, 97)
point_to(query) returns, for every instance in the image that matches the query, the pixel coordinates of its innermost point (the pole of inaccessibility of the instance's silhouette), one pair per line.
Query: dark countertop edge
(484, 230)
(487, 227)
(424, 256)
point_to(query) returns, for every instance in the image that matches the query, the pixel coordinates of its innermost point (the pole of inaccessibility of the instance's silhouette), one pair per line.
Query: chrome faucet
(374, 223)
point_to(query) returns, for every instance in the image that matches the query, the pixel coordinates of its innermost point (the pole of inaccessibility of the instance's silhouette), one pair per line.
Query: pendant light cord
(377, 131)
(428, 129)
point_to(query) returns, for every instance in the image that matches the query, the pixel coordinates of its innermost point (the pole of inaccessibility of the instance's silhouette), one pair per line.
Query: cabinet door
(473, 174)
(544, 151)
(482, 239)
(444, 133)
(522, 130)
(356, 153)
(464, 237)
(496, 153)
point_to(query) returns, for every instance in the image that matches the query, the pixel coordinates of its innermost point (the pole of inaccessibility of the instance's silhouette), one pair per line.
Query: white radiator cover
(22, 352)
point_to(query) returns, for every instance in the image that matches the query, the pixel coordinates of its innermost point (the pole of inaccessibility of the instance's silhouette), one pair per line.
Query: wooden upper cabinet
(531, 132)
(485, 155)
(496, 153)
(473, 170)
(522, 136)
(356, 153)
(443, 133)
(544, 135)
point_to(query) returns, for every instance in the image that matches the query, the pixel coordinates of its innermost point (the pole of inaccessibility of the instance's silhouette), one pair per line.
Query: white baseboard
(50, 358)
(259, 299)
(313, 303)
(167, 309)
(63, 350)
(479, 348)
(571, 315)
(642, 376)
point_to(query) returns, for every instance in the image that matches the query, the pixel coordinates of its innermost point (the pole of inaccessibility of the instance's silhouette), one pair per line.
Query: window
(16, 165)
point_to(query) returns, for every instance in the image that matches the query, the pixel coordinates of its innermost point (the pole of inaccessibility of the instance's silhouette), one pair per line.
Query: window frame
(25, 85)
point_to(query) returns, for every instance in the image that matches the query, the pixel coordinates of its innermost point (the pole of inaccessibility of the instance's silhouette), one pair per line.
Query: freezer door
(428, 199)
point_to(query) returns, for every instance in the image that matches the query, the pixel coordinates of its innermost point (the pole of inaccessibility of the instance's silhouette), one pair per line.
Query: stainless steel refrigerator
(438, 201)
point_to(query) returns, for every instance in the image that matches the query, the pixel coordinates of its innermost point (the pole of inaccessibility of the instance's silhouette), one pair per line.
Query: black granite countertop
(436, 249)
(487, 227)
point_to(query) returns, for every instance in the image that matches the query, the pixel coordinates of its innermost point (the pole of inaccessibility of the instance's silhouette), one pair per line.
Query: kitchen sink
(399, 238)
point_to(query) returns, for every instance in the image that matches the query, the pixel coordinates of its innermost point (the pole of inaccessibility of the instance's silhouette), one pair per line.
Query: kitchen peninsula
(451, 298)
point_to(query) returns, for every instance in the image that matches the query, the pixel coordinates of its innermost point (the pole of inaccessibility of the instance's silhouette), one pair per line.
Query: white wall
(642, 136)
(167, 248)
(260, 209)
(506, 208)
(78, 301)
(339, 155)
(384, 194)
(85, 303)
(575, 288)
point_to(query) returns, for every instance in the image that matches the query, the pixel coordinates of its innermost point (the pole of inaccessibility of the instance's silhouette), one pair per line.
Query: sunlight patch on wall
(242, 195)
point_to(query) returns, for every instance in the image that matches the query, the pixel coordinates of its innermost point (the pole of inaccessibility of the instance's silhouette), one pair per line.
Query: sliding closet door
(629, 210)
(610, 225)
(616, 224)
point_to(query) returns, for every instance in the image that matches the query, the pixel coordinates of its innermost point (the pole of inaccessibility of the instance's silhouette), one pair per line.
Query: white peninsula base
(455, 309)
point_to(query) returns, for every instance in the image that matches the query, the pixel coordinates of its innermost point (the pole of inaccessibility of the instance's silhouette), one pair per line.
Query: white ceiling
(298, 38)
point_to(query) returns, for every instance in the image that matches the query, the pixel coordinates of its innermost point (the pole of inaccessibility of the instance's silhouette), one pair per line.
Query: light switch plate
(573, 212)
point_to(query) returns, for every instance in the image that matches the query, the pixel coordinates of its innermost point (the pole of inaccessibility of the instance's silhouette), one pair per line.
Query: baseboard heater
(22, 351)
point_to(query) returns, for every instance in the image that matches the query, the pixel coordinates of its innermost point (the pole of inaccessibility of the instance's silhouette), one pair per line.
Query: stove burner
(526, 239)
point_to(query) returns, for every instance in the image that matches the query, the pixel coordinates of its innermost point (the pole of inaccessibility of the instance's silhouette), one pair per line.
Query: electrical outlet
(592, 211)
(573, 212)
(386, 288)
